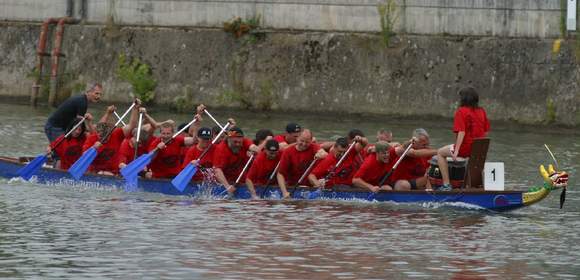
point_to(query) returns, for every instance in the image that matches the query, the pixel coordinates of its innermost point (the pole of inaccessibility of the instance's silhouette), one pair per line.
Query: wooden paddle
(131, 171)
(182, 179)
(82, 164)
(33, 166)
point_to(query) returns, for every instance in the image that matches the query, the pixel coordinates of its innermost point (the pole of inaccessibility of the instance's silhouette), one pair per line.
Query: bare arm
(221, 178)
(327, 145)
(128, 129)
(251, 188)
(90, 127)
(314, 181)
(107, 115)
(282, 185)
(193, 128)
(253, 148)
(358, 182)
(458, 143)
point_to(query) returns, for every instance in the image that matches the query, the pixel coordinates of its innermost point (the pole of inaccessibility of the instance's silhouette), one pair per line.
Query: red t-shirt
(231, 164)
(372, 170)
(343, 173)
(262, 168)
(475, 124)
(294, 163)
(107, 157)
(69, 151)
(410, 168)
(166, 163)
(127, 150)
(206, 162)
(280, 138)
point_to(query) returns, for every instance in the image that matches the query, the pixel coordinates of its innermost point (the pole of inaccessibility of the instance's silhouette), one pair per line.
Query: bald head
(304, 140)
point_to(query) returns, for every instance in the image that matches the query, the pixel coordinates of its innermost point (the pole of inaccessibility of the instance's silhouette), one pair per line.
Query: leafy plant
(239, 27)
(550, 111)
(563, 11)
(139, 75)
(388, 16)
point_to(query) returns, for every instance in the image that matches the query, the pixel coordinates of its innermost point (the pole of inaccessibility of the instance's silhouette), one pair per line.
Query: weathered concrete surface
(514, 18)
(330, 72)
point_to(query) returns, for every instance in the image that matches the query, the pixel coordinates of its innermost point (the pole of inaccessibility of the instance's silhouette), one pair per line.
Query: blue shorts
(52, 132)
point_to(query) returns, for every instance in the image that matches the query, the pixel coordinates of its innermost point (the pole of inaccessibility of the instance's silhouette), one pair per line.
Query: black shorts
(413, 184)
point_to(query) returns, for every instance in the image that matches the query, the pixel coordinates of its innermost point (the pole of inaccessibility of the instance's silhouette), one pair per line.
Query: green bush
(139, 75)
(388, 17)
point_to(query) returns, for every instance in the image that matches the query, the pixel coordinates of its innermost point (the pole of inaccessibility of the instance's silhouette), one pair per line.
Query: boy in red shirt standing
(263, 167)
(470, 122)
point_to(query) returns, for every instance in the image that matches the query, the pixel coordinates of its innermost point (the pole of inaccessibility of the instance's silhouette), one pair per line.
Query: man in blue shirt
(69, 110)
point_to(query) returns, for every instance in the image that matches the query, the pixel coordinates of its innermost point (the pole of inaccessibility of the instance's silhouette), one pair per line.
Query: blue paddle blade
(29, 169)
(82, 164)
(131, 171)
(182, 179)
(131, 186)
(315, 194)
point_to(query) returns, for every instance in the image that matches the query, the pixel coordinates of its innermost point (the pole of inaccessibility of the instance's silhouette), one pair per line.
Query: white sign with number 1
(493, 176)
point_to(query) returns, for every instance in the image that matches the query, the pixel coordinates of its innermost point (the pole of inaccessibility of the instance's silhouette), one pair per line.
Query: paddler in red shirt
(127, 150)
(167, 161)
(470, 122)
(375, 166)
(296, 159)
(230, 157)
(263, 166)
(106, 162)
(411, 174)
(343, 174)
(204, 137)
(71, 148)
(293, 130)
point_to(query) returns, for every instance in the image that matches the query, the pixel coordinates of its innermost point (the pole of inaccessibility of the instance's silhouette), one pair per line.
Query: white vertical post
(571, 16)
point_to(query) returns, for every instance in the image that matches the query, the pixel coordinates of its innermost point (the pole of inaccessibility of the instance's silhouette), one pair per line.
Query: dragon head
(554, 178)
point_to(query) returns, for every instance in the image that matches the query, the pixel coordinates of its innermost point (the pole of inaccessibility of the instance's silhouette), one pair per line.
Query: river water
(64, 232)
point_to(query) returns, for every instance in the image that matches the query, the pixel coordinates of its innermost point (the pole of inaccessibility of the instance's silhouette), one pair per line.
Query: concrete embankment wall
(519, 77)
(514, 18)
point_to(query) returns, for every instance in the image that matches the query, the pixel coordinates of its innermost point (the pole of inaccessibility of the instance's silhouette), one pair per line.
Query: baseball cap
(235, 132)
(293, 127)
(272, 145)
(204, 133)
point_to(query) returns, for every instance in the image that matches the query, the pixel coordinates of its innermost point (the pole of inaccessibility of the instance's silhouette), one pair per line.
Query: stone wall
(519, 78)
(513, 18)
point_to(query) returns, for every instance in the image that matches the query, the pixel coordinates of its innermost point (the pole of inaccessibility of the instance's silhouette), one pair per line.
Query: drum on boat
(457, 171)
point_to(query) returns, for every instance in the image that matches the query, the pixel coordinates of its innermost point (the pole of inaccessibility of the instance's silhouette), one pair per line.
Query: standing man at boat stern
(69, 110)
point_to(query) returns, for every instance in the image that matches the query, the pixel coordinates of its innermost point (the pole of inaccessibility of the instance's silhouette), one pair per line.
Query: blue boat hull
(491, 200)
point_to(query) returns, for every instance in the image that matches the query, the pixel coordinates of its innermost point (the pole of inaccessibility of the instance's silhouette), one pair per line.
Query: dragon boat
(475, 197)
